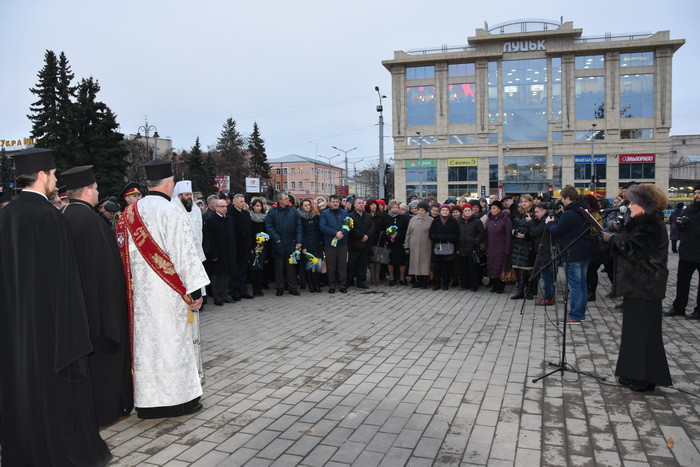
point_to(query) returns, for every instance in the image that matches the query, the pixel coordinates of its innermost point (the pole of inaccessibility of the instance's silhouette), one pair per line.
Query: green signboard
(411, 163)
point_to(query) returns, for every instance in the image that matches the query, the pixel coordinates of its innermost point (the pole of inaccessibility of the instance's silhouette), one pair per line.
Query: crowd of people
(98, 352)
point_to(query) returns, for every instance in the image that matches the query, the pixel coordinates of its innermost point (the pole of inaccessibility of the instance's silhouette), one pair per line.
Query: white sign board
(252, 185)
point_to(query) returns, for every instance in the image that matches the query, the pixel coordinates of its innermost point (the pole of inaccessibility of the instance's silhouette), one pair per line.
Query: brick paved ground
(401, 376)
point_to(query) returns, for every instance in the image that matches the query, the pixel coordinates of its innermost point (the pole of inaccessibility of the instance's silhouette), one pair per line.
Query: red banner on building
(637, 158)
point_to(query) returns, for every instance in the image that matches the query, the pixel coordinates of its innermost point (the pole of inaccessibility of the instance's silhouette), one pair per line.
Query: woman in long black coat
(398, 255)
(641, 253)
(372, 207)
(443, 231)
(259, 262)
(523, 253)
(312, 243)
(471, 235)
(499, 242)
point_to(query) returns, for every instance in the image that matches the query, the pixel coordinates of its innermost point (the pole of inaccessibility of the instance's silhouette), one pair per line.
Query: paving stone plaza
(400, 376)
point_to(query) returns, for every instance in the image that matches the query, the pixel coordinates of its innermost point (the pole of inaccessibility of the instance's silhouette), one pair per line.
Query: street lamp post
(346, 160)
(146, 130)
(593, 181)
(354, 175)
(328, 170)
(380, 109)
(420, 165)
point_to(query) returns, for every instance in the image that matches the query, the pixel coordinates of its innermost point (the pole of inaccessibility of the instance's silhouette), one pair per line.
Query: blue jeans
(578, 289)
(547, 275)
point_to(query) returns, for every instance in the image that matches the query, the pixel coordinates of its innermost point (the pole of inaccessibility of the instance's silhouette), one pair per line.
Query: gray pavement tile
(196, 451)
(319, 455)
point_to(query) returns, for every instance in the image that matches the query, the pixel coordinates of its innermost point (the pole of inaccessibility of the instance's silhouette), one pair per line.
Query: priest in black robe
(48, 414)
(104, 289)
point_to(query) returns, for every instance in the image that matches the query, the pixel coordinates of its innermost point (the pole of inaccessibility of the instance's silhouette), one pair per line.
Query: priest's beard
(187, 203)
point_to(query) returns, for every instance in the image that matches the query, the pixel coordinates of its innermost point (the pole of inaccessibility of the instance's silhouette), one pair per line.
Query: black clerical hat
(158, 169)
(33, 160)
(111, 206)
(78, 177)
(62, 192)
(131, 188)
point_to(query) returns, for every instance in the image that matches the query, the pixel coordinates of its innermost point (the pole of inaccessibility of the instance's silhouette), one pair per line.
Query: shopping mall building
(529, 105)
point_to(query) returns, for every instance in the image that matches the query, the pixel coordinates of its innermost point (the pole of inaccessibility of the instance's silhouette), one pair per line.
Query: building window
(590, 97)
(556, 88)
(286, 186)
(420, 105)
(556, 170)
(300, 170)
(277, 171)
(525, 168)
(557, 136)
(462, 100)
(462, 174)
(414, 174)
(585, 188)
(416, 140)
(277, 185)
(585, 135)
(589, 62)
(457, 191)
(284, 170)
(420, 72)
(493, 174)
(582, 167)
(524, 100)
(293, 171)
(493, 137)
(635, 171)
(640, 133)
(461, 69)
(301, 185)
(462, 139)
(428, 190)
(636, 96)
(493, 92)
(294, 186)
(312, 185)
(637, 59)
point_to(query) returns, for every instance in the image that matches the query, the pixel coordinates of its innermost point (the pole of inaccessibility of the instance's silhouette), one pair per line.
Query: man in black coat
(104, 289)
(688, 258)
(238, 283)
(48, 413)
(359, 246)
(219, 248)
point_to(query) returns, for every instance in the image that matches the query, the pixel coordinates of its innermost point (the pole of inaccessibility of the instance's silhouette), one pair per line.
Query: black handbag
(476, 258)
(380, 255)
(444, 249)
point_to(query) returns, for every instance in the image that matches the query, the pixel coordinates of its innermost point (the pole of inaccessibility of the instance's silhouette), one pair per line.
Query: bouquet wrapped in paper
(312, 262)
(348, 224)
(294, 257)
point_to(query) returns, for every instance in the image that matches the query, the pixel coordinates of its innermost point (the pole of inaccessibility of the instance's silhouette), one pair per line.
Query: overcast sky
(304, 70)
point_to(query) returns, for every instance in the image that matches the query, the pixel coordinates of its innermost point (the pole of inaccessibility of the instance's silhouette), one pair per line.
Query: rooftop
(298, 158)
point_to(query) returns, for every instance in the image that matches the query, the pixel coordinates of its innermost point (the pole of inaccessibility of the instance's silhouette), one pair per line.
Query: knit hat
(466, 205)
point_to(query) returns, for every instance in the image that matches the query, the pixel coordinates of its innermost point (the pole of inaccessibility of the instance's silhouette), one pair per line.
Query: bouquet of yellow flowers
(348, 224)
(260, 240)
(294, 257)
(391, 232)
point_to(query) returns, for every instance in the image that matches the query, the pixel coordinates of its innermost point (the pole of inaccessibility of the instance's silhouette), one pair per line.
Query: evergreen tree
(200, 169)
(53, 113)
(258, 166)
(100, 143)
(230, 160)
(6, 172)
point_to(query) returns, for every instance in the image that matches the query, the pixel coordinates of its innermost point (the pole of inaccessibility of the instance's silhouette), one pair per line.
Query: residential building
(303, 176)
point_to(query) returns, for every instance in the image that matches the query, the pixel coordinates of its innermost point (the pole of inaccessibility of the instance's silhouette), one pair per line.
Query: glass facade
(584, 135)
(462, 174)
(525, 168)
(556, 88)
(493, 174)
(428, 190)
(590, 97)
(493, 92)
(461, 69)
(636, 96)
(420, 72)
(469, 190)
(420, 105)
(583, 171)
(589, 62)
(556, 170)
(637, 59)
(524, 100)
(414, 174)
(427, 140)
(462, 103)
(635, 171)
(640, 133)
(462, 139)
(557, 136)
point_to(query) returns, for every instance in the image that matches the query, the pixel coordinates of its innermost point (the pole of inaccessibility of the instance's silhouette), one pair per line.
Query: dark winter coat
(523, 253)
(675, 232)
(689, 249)
(242, 225)
(363, 225)
(641, 253)
(377, 235)
(331, 223)
(444, 233)
(471, 235)
(219, 244)
(499, 242)
(283, 225)
(570, 225)
(313, 239)
(398, 252)
(542, 241)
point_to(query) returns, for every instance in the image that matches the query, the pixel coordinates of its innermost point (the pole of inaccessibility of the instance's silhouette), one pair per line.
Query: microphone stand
(563, 365)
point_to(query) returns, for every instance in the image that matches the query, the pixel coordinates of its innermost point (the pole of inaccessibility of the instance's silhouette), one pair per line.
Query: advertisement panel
(587, 159)
(252, 185)
(463, 162)
(411, 163)
(637, 158)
